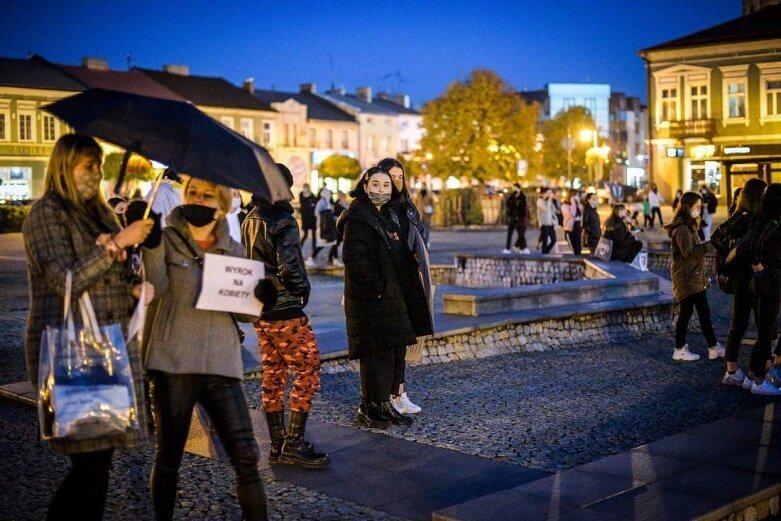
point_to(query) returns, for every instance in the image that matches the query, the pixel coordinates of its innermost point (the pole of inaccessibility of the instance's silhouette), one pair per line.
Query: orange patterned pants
(285, 346)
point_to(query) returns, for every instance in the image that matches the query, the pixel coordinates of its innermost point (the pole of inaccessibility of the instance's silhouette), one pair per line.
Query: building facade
(628, 131)
(559, 97)
(714, 101)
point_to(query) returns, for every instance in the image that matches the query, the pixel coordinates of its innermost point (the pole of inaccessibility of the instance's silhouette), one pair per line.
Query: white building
(558, 97)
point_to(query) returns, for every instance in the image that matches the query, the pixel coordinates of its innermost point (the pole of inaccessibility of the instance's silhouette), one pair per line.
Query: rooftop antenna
(399, 79)
(129, 60)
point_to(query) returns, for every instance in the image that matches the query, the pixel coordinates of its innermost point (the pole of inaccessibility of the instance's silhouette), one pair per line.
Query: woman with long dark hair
(724, 240)
(625, 245)
(378, 324)
(416, 276)
(765, 261)
(689, 278)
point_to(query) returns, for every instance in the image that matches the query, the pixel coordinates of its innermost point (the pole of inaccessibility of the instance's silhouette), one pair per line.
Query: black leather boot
(395, 416)
(276, 433)
(296, 450)
(370, 414)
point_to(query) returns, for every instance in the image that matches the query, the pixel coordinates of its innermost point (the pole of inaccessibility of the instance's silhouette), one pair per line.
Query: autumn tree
(338, 165)
(479, 128)
(138, 168)
(554, 149)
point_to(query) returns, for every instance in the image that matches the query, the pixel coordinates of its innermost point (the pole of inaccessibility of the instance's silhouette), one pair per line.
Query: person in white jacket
(655, 202)
(546, 218)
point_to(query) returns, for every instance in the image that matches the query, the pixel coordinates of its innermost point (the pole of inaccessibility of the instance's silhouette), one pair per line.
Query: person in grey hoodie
(194, 355)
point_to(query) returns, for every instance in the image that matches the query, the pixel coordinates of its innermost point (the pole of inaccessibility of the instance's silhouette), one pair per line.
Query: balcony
(686, 129)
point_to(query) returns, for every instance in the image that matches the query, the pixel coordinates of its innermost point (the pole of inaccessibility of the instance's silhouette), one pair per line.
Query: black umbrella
(177, 134)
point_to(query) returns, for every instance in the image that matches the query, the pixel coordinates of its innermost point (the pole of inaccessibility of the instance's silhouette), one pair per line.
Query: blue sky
(287, 42)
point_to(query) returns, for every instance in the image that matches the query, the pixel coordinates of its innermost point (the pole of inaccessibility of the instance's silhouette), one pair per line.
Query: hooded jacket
(591, 226)
(374, 304)
(688, 264)
(270, 235)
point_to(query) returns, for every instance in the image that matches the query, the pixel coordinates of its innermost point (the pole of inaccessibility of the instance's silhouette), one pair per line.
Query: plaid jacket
(59, 238)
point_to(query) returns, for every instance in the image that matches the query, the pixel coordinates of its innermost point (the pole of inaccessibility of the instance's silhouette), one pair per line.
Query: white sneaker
(748, 383)
(766, 389)
(310, 263)
(736, 379)
(506, 251)
(338, 263)
(408, 405)
(684, 355)
(396, 402)
(526, 251)
(716, 351)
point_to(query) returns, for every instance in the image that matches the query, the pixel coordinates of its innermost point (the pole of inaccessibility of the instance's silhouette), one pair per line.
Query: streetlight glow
(585, 135)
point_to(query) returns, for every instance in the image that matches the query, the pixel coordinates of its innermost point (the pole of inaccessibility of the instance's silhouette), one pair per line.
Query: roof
(131, 81)
(207, 91)
(362, 106)
(317, 107)
(764, 24)
(33, 73)
(393, 106)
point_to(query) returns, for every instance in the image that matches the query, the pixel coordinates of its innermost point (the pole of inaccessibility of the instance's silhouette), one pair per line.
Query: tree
(138, 168)
(338, 165)
(479, 128)
(554, 148)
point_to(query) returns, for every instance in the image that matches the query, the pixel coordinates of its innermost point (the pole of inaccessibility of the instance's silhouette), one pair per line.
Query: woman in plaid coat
(72, 229)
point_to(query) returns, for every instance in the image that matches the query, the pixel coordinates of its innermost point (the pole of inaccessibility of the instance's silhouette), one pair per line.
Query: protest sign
(229, 284)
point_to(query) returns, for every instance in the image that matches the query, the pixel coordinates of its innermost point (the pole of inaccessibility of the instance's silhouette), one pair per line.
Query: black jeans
(173, 398)
(700, 301)
(82, 494)
(654, 212)
(743, 303)
(516, 226)
(547, 238)
(382, 373)
(573, 238)
(766, 288)
(314, 238)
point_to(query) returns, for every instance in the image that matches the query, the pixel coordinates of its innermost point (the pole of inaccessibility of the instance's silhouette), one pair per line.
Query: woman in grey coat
(193, 355)
(71, 229)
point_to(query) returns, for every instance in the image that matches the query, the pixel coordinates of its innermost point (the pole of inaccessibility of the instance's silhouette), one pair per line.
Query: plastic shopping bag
(85, 381)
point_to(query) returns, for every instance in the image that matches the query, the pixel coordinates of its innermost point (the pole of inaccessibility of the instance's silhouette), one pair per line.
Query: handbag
(604, 249)
(86, 388)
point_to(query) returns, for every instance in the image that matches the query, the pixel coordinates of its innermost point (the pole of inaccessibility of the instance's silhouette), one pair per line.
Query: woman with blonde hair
(71, 229)
(194, 355)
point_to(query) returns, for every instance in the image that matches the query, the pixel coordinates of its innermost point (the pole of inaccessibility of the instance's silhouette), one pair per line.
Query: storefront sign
(676, 152)
(735, 151)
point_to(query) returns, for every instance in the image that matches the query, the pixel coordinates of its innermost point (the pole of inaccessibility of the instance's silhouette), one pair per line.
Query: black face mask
(197, 214)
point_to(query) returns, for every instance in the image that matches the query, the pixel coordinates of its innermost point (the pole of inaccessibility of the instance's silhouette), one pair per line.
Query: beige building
(714, 105)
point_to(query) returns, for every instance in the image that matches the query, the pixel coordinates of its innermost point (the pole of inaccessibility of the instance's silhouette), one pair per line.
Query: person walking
(572, 211)
(306, 207)
(325, 229)
(765, 260)
(725, 238)
(546, 218)
(340, 206)
(647, 216)
(194, 355)
(285, 337)
(677, 199)
(515, 209)
(378, 324)
(710, 204)
(425, 204)
(625, 245)
(169, 195)
(689, 278)
(414, 274)
(71, 229)
(655, 202)
(592, 227)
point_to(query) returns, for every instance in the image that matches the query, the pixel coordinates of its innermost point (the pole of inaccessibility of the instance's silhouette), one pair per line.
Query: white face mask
(695, 213)
(236, 203)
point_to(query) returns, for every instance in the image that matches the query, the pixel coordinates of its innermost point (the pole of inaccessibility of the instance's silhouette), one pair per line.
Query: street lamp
(587, 135)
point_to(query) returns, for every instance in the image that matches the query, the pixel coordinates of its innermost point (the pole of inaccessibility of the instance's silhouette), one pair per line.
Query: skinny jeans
(743, 303)
(520, 228)
(82, 494)
(573, 238)
(547, 238)
(766, 288)
(656, 211)
(173, 399)
(688, 304)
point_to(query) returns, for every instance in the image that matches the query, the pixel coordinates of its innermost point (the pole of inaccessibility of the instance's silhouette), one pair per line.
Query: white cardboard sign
(229, 284)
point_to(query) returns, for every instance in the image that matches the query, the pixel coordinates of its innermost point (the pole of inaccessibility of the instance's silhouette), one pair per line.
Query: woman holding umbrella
(72, 229)
(194, 355)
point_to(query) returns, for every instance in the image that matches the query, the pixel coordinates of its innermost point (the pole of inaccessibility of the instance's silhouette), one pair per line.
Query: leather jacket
(270, 234)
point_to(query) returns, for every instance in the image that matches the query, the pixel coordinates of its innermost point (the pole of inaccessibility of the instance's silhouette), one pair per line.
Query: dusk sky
(430, 43)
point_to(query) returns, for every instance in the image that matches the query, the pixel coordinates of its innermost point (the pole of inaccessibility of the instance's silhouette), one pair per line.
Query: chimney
(181, 70)
(95, 64)
(311, 88)
(383, 96)
(364, 94)
(401, 99)
(249, 85)
(340, 91)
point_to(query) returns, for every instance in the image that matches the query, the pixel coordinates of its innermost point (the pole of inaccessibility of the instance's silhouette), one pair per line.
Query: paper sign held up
(229, 284)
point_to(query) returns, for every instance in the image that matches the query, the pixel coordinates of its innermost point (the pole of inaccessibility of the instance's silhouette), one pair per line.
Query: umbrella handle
(151, 200)
(122, 169)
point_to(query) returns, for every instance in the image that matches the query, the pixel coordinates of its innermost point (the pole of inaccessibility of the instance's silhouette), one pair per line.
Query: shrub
(11, 218)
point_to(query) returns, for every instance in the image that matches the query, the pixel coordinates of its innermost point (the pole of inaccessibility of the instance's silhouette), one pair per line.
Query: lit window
(698, 97)
(773, 97)
(736, 99)
(345, 139)
(227, 121)
(49, 128)
(3, 126)
(247, 128)
(266, 137)
(329, 138)
(669, 105)
(25, 127)
(312, 137)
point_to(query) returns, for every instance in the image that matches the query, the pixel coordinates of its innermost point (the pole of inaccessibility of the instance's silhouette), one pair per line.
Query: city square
(560, 370)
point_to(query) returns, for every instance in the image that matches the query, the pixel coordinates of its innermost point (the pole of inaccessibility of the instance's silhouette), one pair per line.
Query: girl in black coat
(415, 269)
(625, 245)
(378, 324)
(592, 229)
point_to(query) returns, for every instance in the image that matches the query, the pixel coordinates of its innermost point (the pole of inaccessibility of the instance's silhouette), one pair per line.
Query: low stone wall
(661, 261)
(543, 335)
(443, 275)
(509, 271)
(759, 507)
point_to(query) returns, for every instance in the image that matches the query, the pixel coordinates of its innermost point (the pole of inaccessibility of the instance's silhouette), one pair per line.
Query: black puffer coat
(374, 304)
(307, 209)
(270, 235)
(592, 230)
